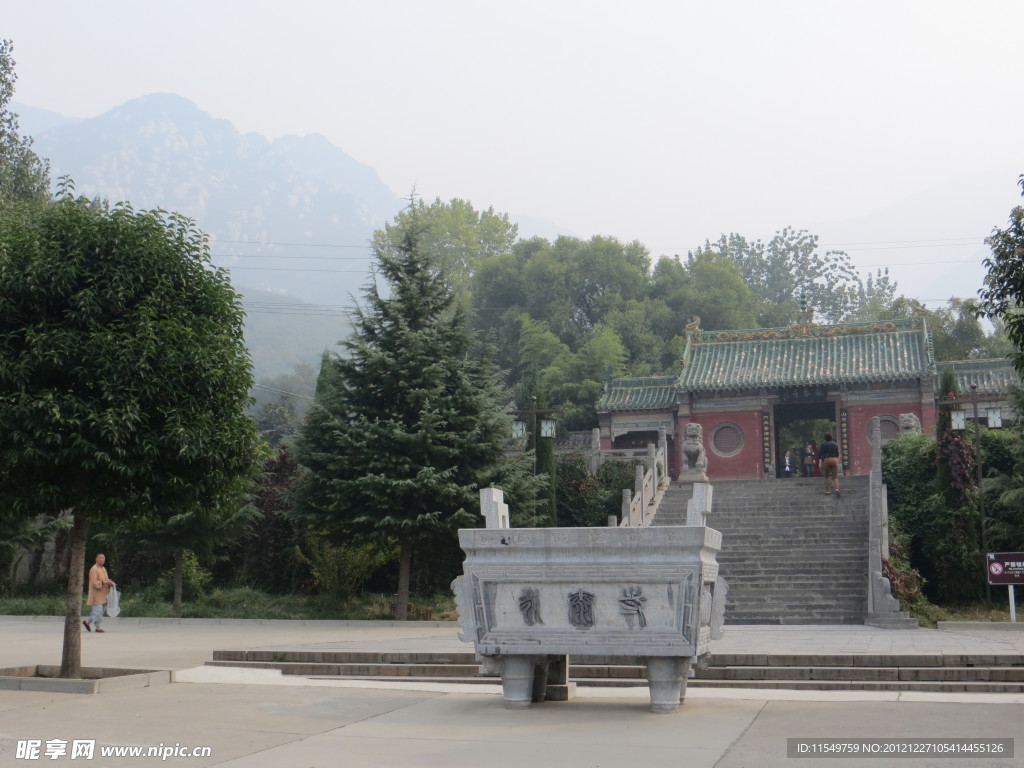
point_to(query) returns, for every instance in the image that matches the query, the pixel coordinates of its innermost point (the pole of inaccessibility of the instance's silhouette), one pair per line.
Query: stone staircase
(791, 554)
(959, 673)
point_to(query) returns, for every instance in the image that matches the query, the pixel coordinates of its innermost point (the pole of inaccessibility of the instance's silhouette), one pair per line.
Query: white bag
(113, 603)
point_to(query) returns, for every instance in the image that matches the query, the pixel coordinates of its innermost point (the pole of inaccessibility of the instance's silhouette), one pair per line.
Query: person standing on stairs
(828, 457)
(787, 465)
(807, 454)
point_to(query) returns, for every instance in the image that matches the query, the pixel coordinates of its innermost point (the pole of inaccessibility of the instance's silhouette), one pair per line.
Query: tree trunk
(71, 658)
(179, 573)
(404, 571)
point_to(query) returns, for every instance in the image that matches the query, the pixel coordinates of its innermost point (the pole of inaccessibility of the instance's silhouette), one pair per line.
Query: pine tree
(407, 424)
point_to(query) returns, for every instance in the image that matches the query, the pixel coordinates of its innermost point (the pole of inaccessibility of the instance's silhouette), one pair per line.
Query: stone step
(359, 669)
(846, 548)
(921, 672)
(809, 573)
(349, 657)
(873, 674)
(897, 620)
(790, 553)
(933, 686)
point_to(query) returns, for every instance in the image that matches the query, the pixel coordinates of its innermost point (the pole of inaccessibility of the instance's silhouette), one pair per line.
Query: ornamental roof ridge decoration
(809, 330)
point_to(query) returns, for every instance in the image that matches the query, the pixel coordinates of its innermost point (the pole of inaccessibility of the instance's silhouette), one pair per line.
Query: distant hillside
(292, 216)
(282, 332)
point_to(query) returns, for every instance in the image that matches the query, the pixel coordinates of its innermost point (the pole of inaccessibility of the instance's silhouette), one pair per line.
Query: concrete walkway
(260, 718)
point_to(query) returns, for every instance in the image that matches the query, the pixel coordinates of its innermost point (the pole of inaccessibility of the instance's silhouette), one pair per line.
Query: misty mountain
(269, 206)
(291, 218)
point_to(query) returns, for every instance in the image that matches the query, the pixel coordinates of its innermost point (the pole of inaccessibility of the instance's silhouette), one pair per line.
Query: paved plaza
(261, 718)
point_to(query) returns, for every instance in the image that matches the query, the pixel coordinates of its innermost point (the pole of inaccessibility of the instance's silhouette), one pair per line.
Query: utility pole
(981, 496)
(547, 430)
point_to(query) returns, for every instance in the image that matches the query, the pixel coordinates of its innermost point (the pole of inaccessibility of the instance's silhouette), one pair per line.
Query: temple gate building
(745, 387)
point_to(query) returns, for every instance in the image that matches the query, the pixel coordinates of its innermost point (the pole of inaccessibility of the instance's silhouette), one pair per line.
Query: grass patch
(244, 603)
(35, 605)
(982, 612)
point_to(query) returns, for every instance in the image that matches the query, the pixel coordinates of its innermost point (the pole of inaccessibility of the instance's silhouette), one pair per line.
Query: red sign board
(1005, 567)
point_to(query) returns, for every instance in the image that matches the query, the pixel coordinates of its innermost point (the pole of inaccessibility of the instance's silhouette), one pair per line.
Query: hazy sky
(666, 122)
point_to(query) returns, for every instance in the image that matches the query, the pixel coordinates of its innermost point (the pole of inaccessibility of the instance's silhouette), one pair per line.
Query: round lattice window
(889, 427)
(727, 439)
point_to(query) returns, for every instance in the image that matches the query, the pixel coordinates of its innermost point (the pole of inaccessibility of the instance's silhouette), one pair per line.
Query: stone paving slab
(262, 718)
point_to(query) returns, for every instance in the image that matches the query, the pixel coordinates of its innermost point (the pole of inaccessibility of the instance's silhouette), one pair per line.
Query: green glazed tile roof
(640, 394)
(857, 354)
(990, 376)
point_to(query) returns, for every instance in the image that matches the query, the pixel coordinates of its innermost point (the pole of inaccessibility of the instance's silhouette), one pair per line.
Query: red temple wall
(747, 463)
(860, 421)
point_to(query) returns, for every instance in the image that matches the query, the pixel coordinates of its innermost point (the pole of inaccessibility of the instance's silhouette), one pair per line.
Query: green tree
(407, 424)
(123, 372)
(958, 335)
(876, 297)
(1002, 296)
(717, 293)
(454, 235)
(268, 554)
(24, 177)
(933, 500)
(789, 267)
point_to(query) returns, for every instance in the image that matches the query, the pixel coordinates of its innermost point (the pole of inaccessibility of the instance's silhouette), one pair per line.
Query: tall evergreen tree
(407, 423)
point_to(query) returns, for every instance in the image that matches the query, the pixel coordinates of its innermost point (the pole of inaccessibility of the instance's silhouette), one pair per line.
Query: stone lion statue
(909, 424)
(694, 455)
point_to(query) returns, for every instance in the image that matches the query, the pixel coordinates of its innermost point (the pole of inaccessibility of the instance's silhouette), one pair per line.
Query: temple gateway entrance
(796, 425)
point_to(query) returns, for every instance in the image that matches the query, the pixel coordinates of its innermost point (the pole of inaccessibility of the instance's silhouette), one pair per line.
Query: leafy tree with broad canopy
(1002, 296)
(23, 175)
(455, 236)
(407, 424)
(124, 377)
(787, 267)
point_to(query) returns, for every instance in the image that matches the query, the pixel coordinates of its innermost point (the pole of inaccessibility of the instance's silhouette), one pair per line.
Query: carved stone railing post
(880, 598)
(638, 484)
(699, 506)
(649, 484)
(663, 478)
(493, 508)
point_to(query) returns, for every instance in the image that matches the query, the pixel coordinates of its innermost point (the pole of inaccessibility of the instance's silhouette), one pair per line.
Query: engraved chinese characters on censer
(631, 605)
(581, 609)
(529, 604)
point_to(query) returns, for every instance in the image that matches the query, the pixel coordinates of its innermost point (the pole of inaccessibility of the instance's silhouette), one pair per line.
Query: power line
(972, 240)
(302, 245)
(307, 269)
(367, 271)
(282, 391)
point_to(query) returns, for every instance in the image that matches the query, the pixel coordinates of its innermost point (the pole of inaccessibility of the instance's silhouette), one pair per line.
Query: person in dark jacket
(828, 455)
(787, 465)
